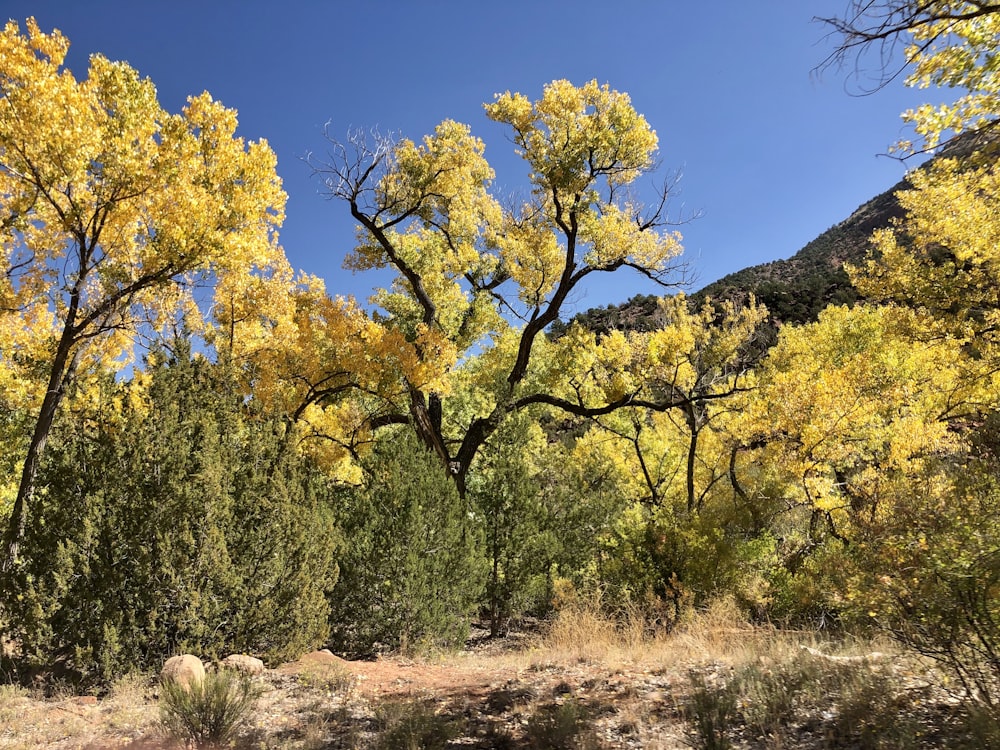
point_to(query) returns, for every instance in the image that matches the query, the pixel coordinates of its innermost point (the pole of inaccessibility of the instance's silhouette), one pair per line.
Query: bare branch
(874, 29)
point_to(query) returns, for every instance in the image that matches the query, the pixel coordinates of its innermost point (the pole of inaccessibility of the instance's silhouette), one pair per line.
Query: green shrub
(852, 705)
(207, 712)
(507, 497)
(561, 726)
(413, 725)
(411, 572)
(711, 710)
(174, 520)
(686, 559)
(929, 571)
(979, 727)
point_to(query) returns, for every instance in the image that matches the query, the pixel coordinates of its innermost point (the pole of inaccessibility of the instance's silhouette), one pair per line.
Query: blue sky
(771, 154)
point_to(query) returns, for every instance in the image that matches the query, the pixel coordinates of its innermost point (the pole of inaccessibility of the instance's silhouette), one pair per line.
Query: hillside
(795, 289)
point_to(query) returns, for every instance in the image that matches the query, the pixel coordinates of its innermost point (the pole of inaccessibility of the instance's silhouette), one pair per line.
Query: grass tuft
(209, 712)
(413, 725)
(560, 726)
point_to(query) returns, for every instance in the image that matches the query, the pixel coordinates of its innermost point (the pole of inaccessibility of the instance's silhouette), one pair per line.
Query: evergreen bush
(173, 520)
(508, 501)
(411, 572)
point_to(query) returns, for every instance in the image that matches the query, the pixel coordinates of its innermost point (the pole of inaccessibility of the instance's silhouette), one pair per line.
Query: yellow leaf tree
(849, 406)
(317, 362)
(945, 44)
(110, 210)
(697, 361)
(477, 277)
(941, 259)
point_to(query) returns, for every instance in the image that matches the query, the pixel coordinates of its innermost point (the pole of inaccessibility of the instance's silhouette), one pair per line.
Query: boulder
(316, 662)
(322, 657)
(184, 670)
(242, 663)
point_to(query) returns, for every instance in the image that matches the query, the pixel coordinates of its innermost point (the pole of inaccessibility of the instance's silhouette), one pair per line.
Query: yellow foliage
(572, 134)
(944, 258)
(613, 235)
(959, 54)
(108, 201)
(693, 360)
(854, 401)
(460, 331)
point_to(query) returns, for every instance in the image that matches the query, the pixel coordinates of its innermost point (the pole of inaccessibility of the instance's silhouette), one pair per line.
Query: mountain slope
(796, 289)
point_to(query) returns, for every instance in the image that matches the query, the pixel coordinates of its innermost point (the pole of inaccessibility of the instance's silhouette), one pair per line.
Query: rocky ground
(481, 698)
(575, 689)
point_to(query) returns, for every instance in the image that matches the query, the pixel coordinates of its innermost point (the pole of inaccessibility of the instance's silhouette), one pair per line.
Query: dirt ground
(580, 688)
(482, 698)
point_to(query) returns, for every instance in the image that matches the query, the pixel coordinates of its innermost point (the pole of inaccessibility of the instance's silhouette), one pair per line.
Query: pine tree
(173, 520)
(411, 573)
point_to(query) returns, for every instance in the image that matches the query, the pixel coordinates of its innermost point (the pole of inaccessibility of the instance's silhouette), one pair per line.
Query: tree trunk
(62, 368)
(695, 427)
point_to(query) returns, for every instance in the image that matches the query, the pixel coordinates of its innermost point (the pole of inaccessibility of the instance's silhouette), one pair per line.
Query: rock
(563, 688)
(243, 663)
(499, 701)
(184, 670)
(502, 700)
(324, 656)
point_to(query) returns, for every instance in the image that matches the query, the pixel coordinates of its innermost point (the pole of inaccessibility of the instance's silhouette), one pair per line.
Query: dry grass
(588, 680)
(719, 633)
(73, 721)
(582, 632)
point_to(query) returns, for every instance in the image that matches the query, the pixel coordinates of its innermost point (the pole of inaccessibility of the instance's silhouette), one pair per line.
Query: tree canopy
(111, 210)
(946, 45)
(475, 275)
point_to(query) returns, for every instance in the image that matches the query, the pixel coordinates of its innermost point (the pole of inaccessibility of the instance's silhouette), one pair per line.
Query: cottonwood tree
(943, 259)
(849, 406)
(940, 259)
(474, 276)
(702, 358)
(928, 569)
(110, 208)
(945, 44)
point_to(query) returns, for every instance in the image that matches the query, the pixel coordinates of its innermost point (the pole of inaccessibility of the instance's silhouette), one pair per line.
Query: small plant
(413, 725)
(711, 709)
(873, 712)
(207, 712)
(560, 727)
(11, 692)
(979, 727)
(330, 679)
(11, 697)
(768, 695)
(850, 703)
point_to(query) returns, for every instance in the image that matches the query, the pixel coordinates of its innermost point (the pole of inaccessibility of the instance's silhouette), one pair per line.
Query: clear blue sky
(770, 154)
